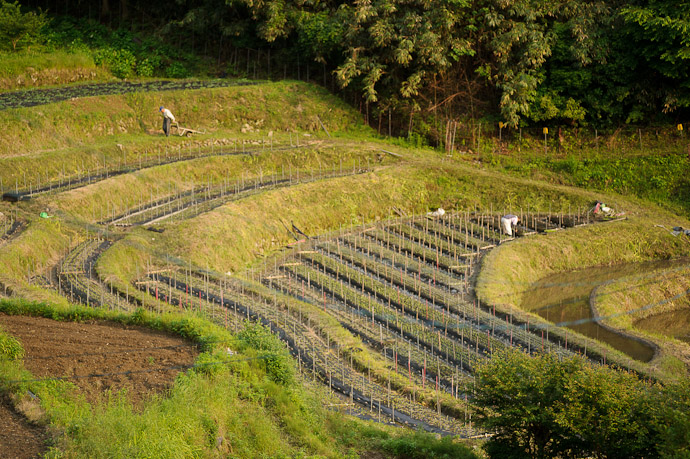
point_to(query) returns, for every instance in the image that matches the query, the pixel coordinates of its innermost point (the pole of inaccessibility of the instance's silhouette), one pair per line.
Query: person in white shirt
(508, 222)
(168, 119)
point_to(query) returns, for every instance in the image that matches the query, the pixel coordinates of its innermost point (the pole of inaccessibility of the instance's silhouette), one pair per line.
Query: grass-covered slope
(96, 133)
(30, 69)
(375, 179)
(229, 405)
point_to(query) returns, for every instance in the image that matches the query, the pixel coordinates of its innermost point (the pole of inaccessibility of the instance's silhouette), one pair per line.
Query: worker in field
(168, 119)
(508, 223)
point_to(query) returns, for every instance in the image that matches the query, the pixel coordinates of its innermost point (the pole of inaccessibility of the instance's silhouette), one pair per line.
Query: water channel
(564, 297)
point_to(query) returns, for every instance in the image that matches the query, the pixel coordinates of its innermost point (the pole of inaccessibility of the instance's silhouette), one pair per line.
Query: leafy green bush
(120, 61)
(145, 68)
(275, 357)
(423, 445)
(177, 70)
(543, 406)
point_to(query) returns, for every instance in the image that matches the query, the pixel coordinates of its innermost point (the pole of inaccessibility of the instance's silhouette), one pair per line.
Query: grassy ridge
(628, 295)
(243, 233)
(239, 233)
(658, 172)
(28, 69)
(511, 268)
(271, 106)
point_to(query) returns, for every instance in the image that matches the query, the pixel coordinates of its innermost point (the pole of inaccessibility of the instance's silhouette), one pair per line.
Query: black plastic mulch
(33, 97)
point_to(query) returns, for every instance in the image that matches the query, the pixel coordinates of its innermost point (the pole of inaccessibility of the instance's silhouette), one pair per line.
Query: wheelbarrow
(187, 132)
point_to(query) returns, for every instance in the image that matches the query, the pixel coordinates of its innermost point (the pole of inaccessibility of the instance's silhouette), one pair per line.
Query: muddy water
(676, 324)
(564, 298)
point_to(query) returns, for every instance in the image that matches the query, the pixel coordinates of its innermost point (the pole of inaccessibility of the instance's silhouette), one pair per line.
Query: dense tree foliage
(18, 29)
(521, 61)
(545, 407)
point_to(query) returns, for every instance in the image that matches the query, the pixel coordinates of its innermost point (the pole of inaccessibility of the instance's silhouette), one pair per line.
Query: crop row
(422, 272)
(373, 324)
(314, 355)
(463, 351)
(453, 309)
(451, 233)
(432, 241)
(533, 222)
(87, 177)
(33, 97)
(10, 227)
(473, 224)
(427, 289)
(76, 278)
(416, 251)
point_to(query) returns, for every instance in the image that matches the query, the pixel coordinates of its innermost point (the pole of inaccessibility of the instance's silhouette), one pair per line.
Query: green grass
(87, 120)
(231, 410)
(658, 173)
(88, 134)
(624, 299)
(629, 294)
(25, 69)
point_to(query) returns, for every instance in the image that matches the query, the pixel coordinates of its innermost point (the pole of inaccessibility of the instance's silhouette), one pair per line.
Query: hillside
(288, 211)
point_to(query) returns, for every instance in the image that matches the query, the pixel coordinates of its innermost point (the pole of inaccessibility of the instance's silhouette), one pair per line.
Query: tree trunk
(105, 9)
(124, 9)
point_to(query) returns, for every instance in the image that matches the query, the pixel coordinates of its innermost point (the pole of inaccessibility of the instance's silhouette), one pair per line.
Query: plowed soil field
(97, 357)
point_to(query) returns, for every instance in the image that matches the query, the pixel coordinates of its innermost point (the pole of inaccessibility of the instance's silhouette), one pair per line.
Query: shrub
(275, 357)
(145, 68)
(177, 70)
(423, 445)
(544, 406)
(120, 61)
(10, 348)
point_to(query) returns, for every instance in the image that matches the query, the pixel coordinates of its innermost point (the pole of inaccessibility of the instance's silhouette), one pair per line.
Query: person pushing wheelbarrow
(168, 120)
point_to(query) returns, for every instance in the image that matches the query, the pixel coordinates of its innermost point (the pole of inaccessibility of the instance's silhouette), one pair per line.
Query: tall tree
(659, 31)
(19, 29)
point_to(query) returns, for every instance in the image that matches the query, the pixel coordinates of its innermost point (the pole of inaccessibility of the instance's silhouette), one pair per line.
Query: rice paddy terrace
(382, 311)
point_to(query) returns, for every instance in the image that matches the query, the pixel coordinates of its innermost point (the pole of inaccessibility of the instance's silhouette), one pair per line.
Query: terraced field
(380, 309)
(401, 287)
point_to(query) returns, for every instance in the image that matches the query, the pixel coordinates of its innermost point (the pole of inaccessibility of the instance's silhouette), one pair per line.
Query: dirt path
(18, 438)
(97, 357)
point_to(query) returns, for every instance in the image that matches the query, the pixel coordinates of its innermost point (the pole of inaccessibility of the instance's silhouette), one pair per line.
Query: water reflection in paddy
(564, 297)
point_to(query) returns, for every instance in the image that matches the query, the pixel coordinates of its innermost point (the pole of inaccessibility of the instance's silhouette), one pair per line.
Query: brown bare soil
(18, 438)
(97, 357)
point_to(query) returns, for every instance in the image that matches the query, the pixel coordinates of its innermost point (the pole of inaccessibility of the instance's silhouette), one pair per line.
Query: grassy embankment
(627, 301)
(629, 294)
(267, 417)
(73, 127)
(646, 167)
(240, 234)
(31, 69)
(427, 181)
(654, 166)
(93, 133)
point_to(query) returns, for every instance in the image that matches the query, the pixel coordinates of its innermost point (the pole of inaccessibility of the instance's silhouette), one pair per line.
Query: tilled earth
(97, 357)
